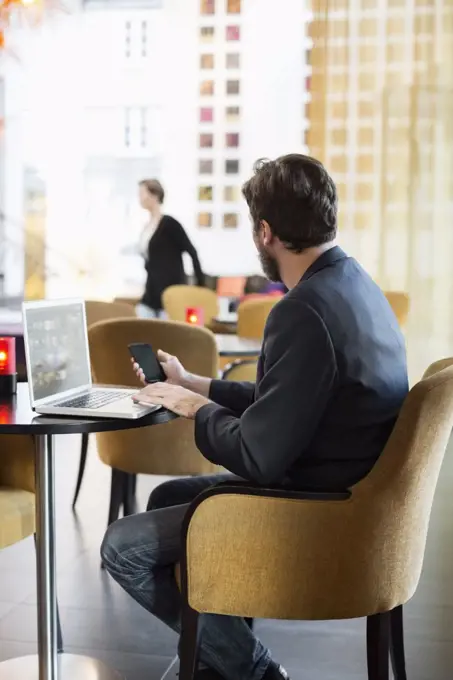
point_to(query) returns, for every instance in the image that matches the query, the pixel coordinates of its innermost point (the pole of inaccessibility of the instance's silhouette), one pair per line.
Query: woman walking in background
(162, 244)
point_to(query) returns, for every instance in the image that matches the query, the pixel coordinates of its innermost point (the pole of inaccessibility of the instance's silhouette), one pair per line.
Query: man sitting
(331, 380)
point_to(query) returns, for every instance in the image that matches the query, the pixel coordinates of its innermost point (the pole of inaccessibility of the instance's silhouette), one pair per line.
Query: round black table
(16, 417)
(234, 346)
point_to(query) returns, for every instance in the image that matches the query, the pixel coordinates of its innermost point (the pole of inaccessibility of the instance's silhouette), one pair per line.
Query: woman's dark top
(164, 265)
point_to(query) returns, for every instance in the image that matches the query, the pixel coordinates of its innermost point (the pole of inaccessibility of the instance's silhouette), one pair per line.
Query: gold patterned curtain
(381, 119)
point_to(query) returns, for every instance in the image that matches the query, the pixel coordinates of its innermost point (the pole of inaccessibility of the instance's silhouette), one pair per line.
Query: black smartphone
(143, 355)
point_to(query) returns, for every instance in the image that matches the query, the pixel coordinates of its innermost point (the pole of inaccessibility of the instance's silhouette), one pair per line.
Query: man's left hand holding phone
(145, 359)
(164, 388)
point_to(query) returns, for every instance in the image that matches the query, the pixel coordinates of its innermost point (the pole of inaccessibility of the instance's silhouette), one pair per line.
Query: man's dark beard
(269, 266)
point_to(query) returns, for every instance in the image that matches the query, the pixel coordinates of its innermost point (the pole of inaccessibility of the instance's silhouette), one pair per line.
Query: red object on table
(195, 316)
(7, 356)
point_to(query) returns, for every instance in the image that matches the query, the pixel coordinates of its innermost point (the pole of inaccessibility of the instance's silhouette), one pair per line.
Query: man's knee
(116, 542)
(181, 491)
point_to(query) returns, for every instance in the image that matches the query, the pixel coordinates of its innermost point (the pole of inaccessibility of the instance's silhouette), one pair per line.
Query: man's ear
(268, 236)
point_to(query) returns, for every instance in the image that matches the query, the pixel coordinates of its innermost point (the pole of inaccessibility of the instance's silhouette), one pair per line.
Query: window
(231, 194)
(127, 127)
(233, 6)
(127, 42)
(207, 33)
(144, 39)
(230, 220)
(232, 87)
(366, 136)
(232, 113)
(231, 167)
(207, 6)
(206, 87)
(233, 33)
(339, 136)
(205, 193)
(207, 61)
(232, 140)
(205, 219)
(233, 60)
(364, 192)
(205, 167)
(206, 114)
(206, 141)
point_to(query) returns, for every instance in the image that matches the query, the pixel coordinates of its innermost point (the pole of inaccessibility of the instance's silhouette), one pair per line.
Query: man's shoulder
(341, 281)
(308, 294)
(293, 313)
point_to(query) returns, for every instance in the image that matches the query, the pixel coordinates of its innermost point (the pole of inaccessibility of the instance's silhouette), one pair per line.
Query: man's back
(331, 380)
(370, 381)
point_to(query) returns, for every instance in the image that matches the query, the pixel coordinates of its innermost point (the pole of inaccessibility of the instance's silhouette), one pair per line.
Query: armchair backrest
(162, 449)
(392, 505)
(17, 462)
(97, 310)
(252, 316)
(177, 299)
(399, 302)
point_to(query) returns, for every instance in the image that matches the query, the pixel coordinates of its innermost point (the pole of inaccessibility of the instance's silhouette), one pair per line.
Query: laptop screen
(57, 348)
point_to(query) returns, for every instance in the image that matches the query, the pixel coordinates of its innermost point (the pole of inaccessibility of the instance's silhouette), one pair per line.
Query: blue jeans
(140, 552)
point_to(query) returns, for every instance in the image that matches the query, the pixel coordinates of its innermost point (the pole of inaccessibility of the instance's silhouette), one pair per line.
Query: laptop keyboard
(94, 399)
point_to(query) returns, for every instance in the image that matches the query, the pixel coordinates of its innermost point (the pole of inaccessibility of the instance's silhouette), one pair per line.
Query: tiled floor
(100, 620)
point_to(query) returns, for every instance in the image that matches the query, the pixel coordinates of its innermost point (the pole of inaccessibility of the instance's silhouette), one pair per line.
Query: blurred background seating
(98, 311)
(241, 370)
(178, 299)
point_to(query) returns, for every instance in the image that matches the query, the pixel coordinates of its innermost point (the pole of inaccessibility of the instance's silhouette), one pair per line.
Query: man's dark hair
(297, 197)
(154, 187)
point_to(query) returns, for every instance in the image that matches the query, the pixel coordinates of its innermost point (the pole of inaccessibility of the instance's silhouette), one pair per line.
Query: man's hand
(173, 397)
(173, 369)
(177, 375)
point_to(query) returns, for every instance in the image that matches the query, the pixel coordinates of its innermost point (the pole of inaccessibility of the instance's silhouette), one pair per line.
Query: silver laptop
(58, 365)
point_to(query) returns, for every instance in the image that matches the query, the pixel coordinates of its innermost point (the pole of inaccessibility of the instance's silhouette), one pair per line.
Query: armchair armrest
(243, 487)
(268, 553)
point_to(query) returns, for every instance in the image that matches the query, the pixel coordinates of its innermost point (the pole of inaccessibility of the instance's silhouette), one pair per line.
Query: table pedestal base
(70, 667)
(171, 673)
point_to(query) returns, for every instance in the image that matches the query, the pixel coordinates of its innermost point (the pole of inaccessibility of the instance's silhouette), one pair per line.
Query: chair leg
(116, 495)
(188, 643)
(83, 460)
(129, 499)
(60, 647)
(378, 641)
(397, 653)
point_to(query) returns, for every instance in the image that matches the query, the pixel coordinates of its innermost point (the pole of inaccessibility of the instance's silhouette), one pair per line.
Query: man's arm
(300, 372)
(235, 396)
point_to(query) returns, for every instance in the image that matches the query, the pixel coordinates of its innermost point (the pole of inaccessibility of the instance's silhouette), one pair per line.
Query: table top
(16, 417)
(233, 345)
(228, 319)
(11, 322)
